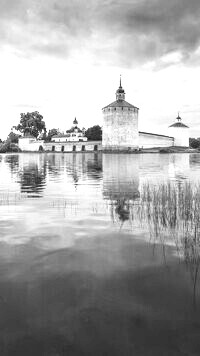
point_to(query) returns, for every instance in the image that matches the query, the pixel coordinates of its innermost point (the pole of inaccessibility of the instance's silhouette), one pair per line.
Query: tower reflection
(120, 183)
(179, 167)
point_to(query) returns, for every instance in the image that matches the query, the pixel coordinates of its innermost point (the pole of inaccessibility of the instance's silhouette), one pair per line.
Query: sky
(64, 58)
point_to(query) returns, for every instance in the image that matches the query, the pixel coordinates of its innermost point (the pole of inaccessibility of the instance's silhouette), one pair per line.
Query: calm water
(79, 275)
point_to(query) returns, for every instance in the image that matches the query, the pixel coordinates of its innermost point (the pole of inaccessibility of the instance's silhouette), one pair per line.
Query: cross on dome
(178, 118)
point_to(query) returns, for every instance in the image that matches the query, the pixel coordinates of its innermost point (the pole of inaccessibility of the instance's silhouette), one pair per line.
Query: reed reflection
(120, 184)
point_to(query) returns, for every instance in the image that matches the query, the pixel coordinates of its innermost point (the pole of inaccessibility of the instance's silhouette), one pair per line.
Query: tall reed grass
(172, 212)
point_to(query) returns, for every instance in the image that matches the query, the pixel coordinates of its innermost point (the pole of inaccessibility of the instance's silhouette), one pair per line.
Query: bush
(8, 147)
(194, 143)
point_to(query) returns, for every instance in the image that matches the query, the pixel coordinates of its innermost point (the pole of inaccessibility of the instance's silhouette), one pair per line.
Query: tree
(194, 143)
(94, 133)
(13, 137)
(31, 122)
(50, 134)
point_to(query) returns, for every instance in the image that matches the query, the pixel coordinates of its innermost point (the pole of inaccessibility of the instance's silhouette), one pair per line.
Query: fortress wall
(120, 128)
(149, 140)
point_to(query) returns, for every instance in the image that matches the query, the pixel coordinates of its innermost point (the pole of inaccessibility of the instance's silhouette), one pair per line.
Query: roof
(149, 133)
(73, 129)
(120, 103)
(60, 135)
(28, 136)
(178, 124)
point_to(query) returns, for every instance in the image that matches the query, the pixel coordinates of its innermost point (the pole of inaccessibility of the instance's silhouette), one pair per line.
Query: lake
(99, 254)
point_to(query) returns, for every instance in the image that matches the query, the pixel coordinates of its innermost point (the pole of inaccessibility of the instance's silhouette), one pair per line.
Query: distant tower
(120, 124)
(180, 132)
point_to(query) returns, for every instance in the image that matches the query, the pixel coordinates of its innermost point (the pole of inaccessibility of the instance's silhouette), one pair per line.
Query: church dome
(75, 122)
(120, 90)
(120, 93)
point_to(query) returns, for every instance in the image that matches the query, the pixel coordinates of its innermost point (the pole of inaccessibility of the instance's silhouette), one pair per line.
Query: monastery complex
(119, 133)
(120, 128)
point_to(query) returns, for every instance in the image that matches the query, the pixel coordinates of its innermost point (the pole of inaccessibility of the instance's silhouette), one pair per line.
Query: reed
(172, 211)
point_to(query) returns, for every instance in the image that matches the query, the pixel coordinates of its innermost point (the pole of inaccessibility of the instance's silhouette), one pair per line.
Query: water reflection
(120, 183)
(32, 174)
(179, 167)
(94, 167)
(13, 163)
(74, 283)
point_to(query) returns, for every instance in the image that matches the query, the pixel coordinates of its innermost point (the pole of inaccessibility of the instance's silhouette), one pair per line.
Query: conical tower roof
(179, 123)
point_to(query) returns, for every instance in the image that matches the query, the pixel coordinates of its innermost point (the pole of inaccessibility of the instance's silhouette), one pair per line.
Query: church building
(120, 128)
(71, 135)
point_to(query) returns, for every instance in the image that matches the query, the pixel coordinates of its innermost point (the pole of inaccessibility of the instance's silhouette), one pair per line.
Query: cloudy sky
(63, 58)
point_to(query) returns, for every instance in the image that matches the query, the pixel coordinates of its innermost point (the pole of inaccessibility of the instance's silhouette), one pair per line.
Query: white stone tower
(120, 124)
(180, 132)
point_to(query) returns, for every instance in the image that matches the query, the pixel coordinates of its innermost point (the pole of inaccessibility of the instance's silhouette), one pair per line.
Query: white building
(72, 135)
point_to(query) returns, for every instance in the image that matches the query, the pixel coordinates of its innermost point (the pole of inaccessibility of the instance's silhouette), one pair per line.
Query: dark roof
(73, 129)
(75, 122)
(28, 136)
(149, 133)
(178, 124)
(120, 103)
(60, 135)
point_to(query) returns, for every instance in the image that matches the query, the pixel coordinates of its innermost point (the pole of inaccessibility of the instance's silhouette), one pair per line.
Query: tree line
(32, 123)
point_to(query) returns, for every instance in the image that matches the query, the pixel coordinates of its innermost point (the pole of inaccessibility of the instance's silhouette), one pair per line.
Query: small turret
(180, 132)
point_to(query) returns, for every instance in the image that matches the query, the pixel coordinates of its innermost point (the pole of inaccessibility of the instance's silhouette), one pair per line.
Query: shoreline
(159, 150)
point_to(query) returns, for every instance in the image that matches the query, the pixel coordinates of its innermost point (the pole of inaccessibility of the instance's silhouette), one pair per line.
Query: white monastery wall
(120, 128)
(149, 140)
(30, 144)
